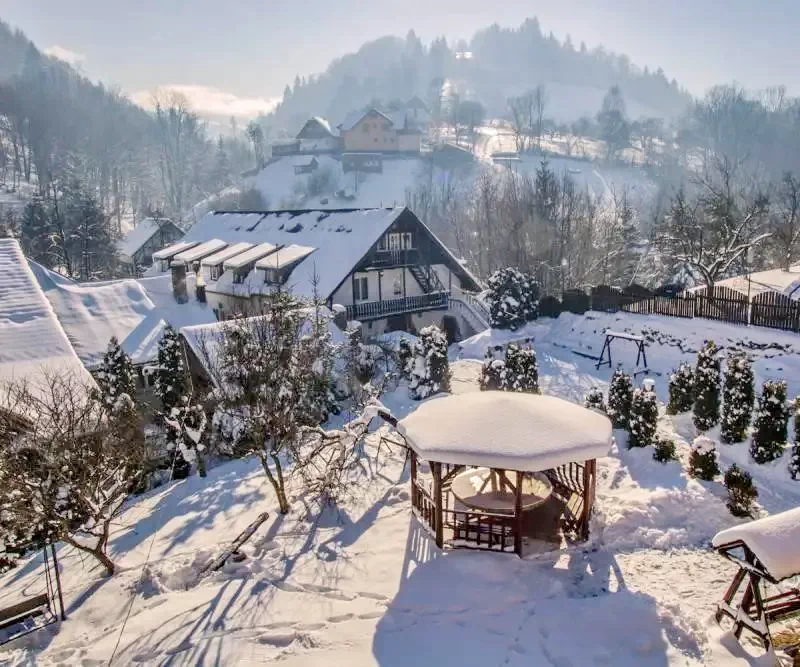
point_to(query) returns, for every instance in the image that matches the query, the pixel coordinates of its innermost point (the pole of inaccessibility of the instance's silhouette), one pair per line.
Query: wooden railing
(371, 310)
(385, 259)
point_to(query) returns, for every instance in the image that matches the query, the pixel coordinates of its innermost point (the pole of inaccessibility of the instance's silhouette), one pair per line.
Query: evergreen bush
(771, 423)
(513, 298)
(794, 462)
(522, 369)
(430, 368)
(643, 418)
(706, 386)
(741, 491)
(116, 377)
(664, 450)
(405, 353)
(620, 397)
(738, 394)
(703, 459)
(681, 390)
(595, 400)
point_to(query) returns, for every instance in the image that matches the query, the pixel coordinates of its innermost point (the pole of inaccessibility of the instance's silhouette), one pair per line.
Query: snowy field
(366, 586)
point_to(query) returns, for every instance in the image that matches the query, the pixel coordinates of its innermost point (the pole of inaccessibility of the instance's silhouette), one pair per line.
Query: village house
(376, 132)
(384, 266)
(136, 248)
(317, 136)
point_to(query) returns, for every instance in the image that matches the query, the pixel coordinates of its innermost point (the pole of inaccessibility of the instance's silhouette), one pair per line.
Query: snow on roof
(198, 252)
(322, 122)
(250, 256)
(342, 237)
(283, 257)
(354, 118)
(506, 430)
(226, 253)
(174, 249)
(139, 235)
(774, 280)
(134, 311)
(775, 540)
(32, 341)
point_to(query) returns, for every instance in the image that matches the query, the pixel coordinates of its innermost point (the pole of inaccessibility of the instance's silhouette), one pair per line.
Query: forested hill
(494, 65)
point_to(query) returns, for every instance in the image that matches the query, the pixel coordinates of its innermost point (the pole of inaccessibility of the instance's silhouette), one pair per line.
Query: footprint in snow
(278, 640)
(372, 596)
(340, 617)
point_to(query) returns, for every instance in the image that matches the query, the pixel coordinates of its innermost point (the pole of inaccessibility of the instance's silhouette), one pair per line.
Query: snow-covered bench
(765, 550)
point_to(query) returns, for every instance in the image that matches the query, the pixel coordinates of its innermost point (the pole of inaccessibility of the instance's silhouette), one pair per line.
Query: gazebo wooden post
(518, 516)
(413, 477)
(437, 499)
(589, 481)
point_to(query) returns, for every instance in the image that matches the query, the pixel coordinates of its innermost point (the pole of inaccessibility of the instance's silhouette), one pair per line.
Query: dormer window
(215, 271)
(273, 277)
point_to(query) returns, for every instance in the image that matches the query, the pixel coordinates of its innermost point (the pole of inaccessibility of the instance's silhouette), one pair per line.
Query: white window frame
(360, 289)
(215, 271)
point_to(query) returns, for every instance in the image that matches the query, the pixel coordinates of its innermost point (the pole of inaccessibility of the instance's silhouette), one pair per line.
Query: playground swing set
(605, 354)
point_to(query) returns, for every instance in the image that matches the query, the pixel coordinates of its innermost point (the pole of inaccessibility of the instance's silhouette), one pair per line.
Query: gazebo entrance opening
(504, 472)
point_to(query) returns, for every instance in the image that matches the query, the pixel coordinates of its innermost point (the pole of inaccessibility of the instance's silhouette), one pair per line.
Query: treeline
(57, 128)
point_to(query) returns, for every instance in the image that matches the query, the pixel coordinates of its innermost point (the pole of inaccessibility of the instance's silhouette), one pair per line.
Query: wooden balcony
(387, 259)
(373, 310)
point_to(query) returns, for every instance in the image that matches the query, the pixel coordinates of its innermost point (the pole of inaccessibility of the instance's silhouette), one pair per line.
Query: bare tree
(522, 109)
(539, 106)
(785, 221)
(66, 474)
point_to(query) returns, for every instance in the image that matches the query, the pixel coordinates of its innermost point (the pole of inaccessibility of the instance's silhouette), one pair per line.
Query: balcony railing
(371, 310)
(384, 259)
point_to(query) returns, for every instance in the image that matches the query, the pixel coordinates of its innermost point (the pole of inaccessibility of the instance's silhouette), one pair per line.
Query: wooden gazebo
(495, 456)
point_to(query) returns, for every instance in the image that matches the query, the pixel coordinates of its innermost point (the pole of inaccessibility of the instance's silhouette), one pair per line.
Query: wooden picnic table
(490, 490)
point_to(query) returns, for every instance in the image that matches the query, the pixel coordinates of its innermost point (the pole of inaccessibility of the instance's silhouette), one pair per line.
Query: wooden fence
(767, 309)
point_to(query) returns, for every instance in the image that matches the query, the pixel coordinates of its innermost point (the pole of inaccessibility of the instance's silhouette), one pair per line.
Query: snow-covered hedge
(513, 298)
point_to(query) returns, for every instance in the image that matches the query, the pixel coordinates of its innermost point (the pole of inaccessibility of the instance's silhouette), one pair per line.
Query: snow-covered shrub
(706, 387)
(771, 423)
(522, 369)
(595, 400)
(703, 459)
(513, 298)
(664, 450)
(620, 397)
(430, 368)
(549, 306)
(738, 394)
(493, 374)
(116, 377)
(404, 356)
(741, 491)
(794, 462)
(643, 418)
(681, 390)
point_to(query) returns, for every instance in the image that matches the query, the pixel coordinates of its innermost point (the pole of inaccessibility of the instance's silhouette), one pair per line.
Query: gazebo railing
(571, 484)
(481, 530)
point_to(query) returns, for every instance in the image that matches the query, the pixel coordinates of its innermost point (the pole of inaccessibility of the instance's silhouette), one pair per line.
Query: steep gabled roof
(354, 118)
(32, 340)
(317, 121)
(141, 234)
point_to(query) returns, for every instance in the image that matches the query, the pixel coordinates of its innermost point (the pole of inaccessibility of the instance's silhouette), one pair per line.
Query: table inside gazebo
(490, 490)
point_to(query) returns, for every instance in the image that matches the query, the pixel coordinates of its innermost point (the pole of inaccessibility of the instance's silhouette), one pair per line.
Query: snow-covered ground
(365, 585)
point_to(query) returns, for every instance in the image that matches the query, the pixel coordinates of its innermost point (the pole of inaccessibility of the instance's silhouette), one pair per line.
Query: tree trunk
(98, 552)
(277, 482)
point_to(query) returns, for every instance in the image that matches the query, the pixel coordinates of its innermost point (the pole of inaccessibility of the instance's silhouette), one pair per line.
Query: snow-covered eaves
(174, 249)
(250, 256)
(354, 118)
(32, 340)
(342, 237)
(200, 251)
(226, 253)
(284, 257)
(506, 430)
(139, 235)
(774, 280)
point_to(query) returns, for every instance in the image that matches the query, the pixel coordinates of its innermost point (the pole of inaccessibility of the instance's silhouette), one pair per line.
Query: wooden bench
(30, 608)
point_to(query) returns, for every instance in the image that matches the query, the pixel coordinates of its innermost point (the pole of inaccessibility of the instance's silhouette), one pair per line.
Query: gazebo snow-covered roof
(505, 467)
(506, 430)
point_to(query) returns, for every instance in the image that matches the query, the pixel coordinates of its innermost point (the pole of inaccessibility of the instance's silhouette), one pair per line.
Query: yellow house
(376, 132)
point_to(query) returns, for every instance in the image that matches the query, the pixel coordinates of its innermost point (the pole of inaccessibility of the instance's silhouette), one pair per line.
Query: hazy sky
(236, 55)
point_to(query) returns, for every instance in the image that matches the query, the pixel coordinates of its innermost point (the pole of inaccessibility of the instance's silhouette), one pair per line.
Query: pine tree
(703, 459)
(116, 377)
(620, 397)
(794, 462)
(522, 369)
(664, 450)
(171, 387)
(707, 378)
(738, 394)
(644, 418)
(771, 423)
(681, 390)
(595, 400)
(404, 355)
(430, 371)
(493, 374)
(513, 298)
(741, 491)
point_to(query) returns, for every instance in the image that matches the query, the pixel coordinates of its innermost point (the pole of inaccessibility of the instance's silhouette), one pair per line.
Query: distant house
(418, 112)
(317, 136)
(385, 267)
(376, 132)
(305, 164)
(282, 147)
(136, 248)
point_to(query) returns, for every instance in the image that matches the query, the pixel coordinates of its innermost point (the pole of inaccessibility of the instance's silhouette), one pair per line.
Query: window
(215, 271)
(361, 289)
(401, 241)
(272, 276)
(239, 276)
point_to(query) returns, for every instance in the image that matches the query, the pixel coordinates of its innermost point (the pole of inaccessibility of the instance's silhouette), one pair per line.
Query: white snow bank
(506, 430)
(774, 540)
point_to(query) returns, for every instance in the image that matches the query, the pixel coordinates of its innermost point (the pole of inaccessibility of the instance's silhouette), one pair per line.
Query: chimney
(200, 288)
(179, 282)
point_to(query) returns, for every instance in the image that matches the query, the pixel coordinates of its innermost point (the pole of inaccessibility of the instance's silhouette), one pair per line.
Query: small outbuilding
(489, 468)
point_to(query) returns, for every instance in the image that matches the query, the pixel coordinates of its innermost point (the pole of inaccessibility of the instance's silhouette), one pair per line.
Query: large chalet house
(378, 132)
(136, 248)
(384, 266)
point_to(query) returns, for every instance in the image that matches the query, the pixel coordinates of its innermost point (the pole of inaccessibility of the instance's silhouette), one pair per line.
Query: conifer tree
(595, 400)
(706, 384)
(794, 462)
(171, 387)
(430, 371)
(644, 417)
(741, 491)
(738, 395)
(116, 377)
(620, 397)
(681, 390)
(703, 459)
(522, 369)
(513, 298)
(771, 423)
(493, 374)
